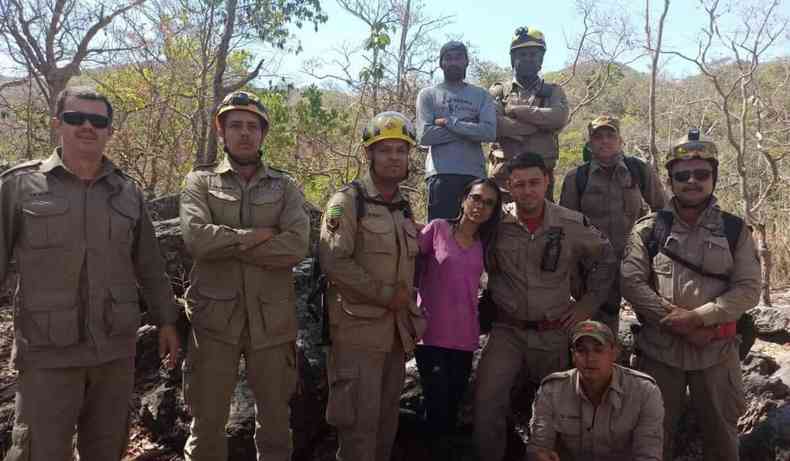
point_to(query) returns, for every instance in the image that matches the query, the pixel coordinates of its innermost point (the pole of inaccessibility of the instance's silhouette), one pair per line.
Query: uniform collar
(228, 165)
(55, 161)
(710, 217)
(373, 192)
(551, 216)
(619, 164)
(613, 394)
(534, 87)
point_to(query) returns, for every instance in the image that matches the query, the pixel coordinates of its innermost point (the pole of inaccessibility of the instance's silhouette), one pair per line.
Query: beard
(454, 73)
(526, 71)
(700, 204)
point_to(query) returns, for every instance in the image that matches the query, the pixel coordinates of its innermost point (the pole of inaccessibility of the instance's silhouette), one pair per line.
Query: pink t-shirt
(449, 280)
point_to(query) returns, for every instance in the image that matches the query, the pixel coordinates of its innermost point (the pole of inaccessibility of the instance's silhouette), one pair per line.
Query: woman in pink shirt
(453, 255)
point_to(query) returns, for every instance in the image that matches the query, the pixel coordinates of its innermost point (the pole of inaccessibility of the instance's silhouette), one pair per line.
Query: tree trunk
(766, 264)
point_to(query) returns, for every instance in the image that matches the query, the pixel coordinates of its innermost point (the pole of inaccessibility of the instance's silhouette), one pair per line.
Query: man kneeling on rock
(597, 410)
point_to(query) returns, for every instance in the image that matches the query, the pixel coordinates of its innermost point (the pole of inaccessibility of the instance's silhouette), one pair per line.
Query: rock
(765, 426)
(772, 323)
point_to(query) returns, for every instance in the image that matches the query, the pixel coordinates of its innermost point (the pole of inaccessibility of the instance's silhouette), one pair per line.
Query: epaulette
(21, 166)
(572, 215)
(639, 374)
(281, 171)
(555, 376)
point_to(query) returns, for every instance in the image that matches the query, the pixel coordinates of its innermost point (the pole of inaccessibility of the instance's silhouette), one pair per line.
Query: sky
(488, 25)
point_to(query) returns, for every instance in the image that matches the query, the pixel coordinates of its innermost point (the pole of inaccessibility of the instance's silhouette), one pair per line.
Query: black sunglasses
(699, 175)
(78, 118)
(477, 199)
(243, 99)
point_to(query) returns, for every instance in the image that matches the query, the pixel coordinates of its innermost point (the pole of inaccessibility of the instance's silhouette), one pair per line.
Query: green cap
(596, 330)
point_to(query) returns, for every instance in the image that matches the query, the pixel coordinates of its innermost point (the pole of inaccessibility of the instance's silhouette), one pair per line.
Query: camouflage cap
(527, 36)
(452, 45)
(604, 121)
(596, 330)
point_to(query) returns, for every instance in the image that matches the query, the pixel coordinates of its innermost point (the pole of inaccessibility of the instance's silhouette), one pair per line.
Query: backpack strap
(637, 168)
(732, 229)
(362, 199)
(582, 176)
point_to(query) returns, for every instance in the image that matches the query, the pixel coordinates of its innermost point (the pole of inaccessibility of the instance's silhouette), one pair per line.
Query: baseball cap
(602, 121)
(596, 330)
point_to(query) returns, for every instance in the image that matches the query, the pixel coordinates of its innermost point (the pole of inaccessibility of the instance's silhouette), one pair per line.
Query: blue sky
(488, 26)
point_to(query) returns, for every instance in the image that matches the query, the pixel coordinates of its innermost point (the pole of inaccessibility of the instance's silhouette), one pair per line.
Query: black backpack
(733, 226)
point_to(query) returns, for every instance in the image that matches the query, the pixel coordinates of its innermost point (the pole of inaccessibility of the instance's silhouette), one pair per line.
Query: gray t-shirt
(471, 119)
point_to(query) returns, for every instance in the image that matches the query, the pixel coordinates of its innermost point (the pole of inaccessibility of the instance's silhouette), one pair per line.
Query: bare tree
(600, 51)
(654, 49)
(52, 39)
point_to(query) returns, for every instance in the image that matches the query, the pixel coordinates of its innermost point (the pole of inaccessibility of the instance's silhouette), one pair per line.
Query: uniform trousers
(51, 402)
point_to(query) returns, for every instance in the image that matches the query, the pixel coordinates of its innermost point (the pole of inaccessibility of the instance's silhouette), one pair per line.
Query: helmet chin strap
(240, 162)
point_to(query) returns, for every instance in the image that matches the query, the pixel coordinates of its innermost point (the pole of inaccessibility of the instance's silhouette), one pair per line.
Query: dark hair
(81, 92)
(526, 160)
(488, 230)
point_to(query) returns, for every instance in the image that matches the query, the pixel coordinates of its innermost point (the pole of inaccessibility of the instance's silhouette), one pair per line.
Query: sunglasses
(699, 175)
(478, 199)
(78, 118)
(243, 99)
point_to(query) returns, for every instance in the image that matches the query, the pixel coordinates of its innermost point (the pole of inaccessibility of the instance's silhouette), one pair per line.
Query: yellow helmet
(527, 36)
(389, 125)
(692, 146)
(243, 100)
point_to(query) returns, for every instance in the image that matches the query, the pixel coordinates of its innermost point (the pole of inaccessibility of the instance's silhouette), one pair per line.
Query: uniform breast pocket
(225, 206)
(507, 254)
(569, 431)
(45, 222)
(411, 237)
(124, 216)
(267, 204)
(378, 235)
(663, 270)
(716, 256)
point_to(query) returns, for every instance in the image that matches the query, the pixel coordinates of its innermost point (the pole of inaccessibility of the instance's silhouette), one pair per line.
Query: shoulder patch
(560, 375)
(22, 167)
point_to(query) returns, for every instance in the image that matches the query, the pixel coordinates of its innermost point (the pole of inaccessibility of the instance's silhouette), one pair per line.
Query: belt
(539, 325)
(726, 330)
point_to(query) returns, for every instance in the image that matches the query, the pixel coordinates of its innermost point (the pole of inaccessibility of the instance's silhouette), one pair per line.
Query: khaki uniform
(612, 200)
(241, 302)
(626, 425)
(365, 259)
(525, 337)
(81, 252)
(534, 127)
(711, 372)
